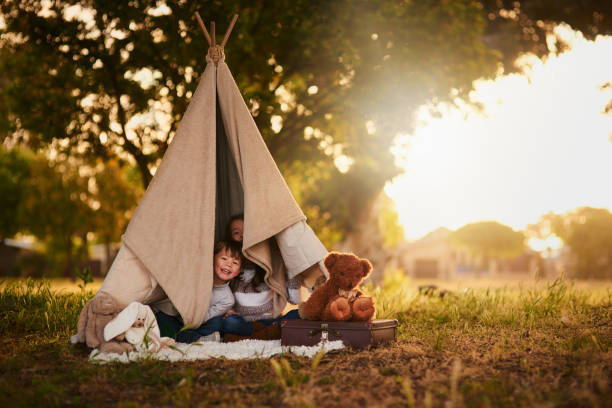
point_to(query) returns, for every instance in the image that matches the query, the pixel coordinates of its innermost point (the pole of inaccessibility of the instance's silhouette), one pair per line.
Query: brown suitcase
(361, 335)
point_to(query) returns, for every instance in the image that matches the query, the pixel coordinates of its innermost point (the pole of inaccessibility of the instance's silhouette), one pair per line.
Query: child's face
(236, 230)
(226, 266)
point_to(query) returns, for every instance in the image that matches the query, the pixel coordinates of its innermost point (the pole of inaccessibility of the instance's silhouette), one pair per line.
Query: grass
(543, 344)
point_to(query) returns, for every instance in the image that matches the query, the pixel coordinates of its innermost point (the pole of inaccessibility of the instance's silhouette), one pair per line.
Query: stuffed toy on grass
(338, 299)
(137, 324)
(95, 315)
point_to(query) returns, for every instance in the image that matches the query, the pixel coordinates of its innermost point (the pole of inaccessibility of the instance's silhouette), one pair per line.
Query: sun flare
(541, 144)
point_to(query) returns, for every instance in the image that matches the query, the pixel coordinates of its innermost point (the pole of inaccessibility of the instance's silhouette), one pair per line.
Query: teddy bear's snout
(138, 323)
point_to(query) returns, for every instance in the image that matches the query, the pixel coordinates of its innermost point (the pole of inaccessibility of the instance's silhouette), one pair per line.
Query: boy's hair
(234, 248)
(228, 232)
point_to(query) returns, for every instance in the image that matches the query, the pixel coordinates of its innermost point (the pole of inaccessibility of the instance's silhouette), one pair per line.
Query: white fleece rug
(245, 349)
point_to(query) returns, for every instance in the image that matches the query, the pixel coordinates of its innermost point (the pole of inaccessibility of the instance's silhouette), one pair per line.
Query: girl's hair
(259, 272)
(234, 248)
(255, 283)
(228, 231)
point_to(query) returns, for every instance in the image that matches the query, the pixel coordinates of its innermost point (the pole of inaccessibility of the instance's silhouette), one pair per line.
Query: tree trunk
(145, 173)
(69, 268)
(84, 248)
(366, 241)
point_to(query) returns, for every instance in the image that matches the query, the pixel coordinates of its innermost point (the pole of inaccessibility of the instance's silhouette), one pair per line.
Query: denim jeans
(208, 327)
(173, 326)
(235, 324)
(290, 315)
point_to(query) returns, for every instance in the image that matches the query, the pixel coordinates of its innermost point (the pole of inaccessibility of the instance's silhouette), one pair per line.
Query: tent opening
(229, 194)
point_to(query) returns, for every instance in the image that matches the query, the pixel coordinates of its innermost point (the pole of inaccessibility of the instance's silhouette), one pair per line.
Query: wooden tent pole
(229, 30)
(215, 52)
(212, 34)
(211, 37)
(203, 27)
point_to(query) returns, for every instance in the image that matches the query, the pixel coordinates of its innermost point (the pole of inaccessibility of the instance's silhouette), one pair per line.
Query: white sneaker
(216, 337)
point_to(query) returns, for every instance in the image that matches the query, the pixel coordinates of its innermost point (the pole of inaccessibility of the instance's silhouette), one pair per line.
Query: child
(253, 297)
(227, 264)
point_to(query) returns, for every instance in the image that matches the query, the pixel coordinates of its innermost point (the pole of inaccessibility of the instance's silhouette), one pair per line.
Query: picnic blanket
(245, 349)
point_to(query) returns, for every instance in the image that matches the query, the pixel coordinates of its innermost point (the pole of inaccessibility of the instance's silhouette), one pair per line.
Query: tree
(55, 210)
(517, 27)
(114, 198)
(63, 203)
(329, 83)
(113, 80)
(489, 239)
(13, 172)
(587, 232)
(389, 224)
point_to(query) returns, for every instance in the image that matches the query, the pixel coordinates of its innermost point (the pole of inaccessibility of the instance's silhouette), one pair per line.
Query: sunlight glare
(551, 242)
(541, 144)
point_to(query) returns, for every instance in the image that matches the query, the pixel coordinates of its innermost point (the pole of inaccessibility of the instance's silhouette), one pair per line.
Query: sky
(541, 144)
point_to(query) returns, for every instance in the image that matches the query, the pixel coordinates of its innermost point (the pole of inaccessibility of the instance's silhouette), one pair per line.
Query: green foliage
(105, 79)
(490, 239)
(388, 223)
(115, 198)
(56, 211)
(517, 27)
(85, 276)
(13, 171)
(60, 202)
(116, 84)
(587, 232)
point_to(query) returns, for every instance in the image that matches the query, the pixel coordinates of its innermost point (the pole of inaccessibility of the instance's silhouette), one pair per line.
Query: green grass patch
(544, 344)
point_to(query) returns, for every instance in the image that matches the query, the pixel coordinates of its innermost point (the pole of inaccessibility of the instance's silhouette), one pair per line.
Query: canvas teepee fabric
(168, 246)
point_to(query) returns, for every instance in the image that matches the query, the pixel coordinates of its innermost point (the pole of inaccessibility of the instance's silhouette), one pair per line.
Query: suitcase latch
(324, 330)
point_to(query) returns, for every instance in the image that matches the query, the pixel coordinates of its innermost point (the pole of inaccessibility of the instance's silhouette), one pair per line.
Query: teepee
(217, 165)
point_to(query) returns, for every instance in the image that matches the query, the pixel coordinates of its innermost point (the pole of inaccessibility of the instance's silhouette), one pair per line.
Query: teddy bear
(94, 317)
(338, 299)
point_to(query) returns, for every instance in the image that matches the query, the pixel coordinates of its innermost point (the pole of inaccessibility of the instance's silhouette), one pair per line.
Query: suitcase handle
(323, 330)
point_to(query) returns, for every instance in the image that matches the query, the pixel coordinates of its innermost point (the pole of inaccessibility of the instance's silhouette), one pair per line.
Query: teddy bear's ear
(366, 266)
(103, 303)
(330, 259)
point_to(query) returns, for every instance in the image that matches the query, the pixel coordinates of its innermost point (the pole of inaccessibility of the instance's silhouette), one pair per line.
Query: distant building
(8, 258)
(26, 258)
(104, 254)
(435, 257)
(19, 257)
